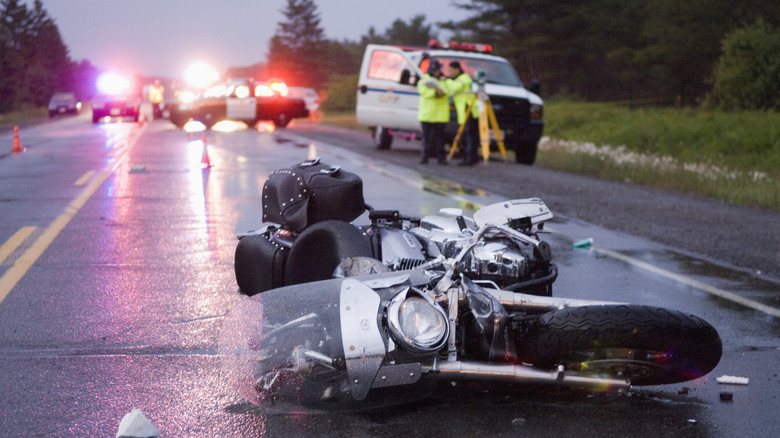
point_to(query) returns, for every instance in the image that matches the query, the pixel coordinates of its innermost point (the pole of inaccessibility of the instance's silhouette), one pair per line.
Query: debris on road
(732, 380)
(136, 425)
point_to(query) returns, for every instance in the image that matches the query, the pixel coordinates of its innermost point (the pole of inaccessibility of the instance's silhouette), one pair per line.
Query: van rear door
(382, 100)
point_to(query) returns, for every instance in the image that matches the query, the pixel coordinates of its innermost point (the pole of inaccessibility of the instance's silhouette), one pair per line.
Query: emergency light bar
(455, 45)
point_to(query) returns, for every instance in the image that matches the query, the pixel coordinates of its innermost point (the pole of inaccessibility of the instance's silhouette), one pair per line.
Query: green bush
(747, 75)
(341, 93)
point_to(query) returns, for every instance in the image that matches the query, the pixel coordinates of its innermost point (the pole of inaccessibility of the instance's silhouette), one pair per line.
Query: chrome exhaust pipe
(481, 371)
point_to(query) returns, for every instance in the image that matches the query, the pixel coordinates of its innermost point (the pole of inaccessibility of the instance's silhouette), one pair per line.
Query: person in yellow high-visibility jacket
(433, 112)
(462, 95)
(156, 98)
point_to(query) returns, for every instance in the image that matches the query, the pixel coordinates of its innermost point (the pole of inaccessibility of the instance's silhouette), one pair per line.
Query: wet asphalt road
(724, 233)
(125, 272)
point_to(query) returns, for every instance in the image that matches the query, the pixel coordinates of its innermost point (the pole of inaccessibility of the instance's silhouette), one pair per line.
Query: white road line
(691, 282)
(638, 263)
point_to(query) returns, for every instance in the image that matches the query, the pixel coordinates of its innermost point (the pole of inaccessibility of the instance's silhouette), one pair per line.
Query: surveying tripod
(486, 116)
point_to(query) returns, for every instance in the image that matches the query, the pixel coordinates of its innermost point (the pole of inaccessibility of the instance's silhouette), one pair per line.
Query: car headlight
(417, 324)
(536, 111)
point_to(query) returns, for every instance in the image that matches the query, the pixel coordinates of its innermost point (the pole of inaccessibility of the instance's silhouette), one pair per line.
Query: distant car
(241, 100)
(309, 96)
(117, 97)
(64, 103)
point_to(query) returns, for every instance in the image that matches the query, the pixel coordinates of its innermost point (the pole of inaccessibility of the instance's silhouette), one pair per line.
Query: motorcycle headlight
(417, 324)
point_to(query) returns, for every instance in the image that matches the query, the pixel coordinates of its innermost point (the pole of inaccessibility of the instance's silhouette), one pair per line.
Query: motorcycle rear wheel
(643, 344)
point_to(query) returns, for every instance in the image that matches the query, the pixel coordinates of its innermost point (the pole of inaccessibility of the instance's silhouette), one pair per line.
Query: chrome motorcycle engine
(497, 259)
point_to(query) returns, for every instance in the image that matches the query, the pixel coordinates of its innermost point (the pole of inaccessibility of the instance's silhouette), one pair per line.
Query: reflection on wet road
(127, 246)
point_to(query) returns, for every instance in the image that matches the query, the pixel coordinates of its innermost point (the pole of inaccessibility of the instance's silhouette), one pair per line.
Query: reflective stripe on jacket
(433, 108)
(462, 95)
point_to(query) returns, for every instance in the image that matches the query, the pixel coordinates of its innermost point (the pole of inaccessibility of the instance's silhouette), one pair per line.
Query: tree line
(34, 60)
(721, 53)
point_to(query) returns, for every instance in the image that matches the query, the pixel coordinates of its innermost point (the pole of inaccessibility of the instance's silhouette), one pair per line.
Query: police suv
(387, 96)
(242, 100)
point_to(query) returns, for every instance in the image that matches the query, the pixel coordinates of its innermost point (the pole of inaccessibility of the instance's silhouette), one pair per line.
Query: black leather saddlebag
(311, 192)
(259, 264)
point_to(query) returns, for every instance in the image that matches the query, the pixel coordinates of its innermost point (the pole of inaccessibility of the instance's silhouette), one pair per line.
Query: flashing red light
(466, 47)
(263, 90)
(271, 88)
(279, 87)
(114, 83)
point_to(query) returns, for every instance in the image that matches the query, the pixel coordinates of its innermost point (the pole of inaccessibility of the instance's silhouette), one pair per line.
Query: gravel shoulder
(723, 233)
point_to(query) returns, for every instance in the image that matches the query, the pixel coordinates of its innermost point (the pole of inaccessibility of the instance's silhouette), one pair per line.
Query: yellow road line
(84, 178)
(11, 244)
(31, 255)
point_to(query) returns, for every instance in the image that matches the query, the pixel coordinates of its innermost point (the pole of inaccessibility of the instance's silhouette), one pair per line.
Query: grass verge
(734, 157)
(22, 118)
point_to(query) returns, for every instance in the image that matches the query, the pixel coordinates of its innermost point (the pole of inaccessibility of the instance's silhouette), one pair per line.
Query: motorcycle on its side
(374, 337)
(368, 341)
(307, 210)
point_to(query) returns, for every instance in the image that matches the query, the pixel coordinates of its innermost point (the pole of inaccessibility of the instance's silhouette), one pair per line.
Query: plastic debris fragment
(136, 425)
(585, 243)
(732, 380)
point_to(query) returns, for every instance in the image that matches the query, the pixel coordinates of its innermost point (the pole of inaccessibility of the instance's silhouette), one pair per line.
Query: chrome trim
(364, 348)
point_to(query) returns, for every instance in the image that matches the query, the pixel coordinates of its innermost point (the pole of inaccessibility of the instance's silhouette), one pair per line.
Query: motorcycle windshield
(316, 347)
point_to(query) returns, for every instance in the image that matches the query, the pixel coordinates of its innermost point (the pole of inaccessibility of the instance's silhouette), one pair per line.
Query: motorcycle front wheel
(643, 344)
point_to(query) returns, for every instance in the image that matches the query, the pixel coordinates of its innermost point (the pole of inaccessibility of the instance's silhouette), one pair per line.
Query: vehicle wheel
(321, 247)
(525, 152)
(281, 121)
(382, 138)
(178, 121)
(209, 120)
(646, 345)
(96, 118)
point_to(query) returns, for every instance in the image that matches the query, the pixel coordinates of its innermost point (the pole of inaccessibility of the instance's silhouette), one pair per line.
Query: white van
(387, 95)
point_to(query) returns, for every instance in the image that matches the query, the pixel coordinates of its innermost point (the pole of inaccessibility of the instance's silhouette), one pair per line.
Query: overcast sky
(163, 37)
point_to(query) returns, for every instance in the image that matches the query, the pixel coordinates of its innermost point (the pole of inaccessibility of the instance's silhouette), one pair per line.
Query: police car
(117, 97)
(387, 96)
(242, 100)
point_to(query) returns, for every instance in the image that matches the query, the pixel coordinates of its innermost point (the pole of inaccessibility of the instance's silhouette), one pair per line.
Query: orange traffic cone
(141, 119)
(17, 147)
(205, 161)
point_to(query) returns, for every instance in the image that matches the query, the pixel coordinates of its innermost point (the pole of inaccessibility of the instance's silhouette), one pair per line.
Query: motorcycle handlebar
(391, 216)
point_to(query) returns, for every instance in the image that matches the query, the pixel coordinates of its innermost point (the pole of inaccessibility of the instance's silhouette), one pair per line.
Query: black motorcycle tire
(644, 344)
